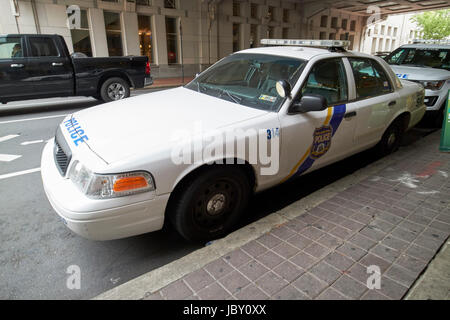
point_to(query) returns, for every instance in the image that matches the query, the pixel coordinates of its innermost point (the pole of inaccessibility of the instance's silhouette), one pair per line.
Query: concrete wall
(207, 30)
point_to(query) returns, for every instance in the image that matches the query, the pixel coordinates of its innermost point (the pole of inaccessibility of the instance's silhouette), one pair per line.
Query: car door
(14, 69)
(50, 68)
(375, 100)
(314, 139)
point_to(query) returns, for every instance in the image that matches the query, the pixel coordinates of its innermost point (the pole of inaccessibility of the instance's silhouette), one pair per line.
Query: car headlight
(433, 85)
(105, 186)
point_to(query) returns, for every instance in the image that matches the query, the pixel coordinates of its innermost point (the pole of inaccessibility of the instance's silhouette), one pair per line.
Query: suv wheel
(114, 89)
(208, 205)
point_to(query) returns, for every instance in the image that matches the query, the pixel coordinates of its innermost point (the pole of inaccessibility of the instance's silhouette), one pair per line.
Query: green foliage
(434, 24)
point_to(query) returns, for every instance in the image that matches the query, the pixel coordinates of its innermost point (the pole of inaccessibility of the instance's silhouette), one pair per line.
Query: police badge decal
(321, 141)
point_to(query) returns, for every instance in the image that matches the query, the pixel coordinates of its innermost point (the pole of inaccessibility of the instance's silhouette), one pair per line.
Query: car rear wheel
(208, 205)
(114, 89)
(390, 142)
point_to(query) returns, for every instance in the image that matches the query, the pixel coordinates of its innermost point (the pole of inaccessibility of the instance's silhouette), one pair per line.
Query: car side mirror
(309, 102)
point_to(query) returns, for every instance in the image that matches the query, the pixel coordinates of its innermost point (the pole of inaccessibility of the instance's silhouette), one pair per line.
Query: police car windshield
(418, 57)
(249, 79)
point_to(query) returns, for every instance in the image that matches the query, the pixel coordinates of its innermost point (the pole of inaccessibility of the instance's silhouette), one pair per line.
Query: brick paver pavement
(396, 219)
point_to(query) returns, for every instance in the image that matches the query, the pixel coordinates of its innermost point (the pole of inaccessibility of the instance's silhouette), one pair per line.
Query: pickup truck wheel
(390, 142)
(114, 89)
(208, 205)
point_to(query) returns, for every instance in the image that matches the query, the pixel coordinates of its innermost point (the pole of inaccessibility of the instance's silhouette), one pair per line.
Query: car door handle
(349, 115)
(17, 65)
(57, 64)
(392, 103)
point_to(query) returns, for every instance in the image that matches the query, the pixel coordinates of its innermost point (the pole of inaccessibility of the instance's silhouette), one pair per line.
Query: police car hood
(420, 73)
(149, 122)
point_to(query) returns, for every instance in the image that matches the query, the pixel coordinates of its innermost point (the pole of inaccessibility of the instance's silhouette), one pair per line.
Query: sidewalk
(393, 214)
(169, 82)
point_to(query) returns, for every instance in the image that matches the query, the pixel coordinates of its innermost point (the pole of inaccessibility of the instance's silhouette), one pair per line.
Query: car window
(327, 78)
(422, 57)
(43, 47)
(11, 47)
(249, 79)
(370, 79)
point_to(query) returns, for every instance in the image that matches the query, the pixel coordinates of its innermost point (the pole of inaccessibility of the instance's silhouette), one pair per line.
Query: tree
(434, 24)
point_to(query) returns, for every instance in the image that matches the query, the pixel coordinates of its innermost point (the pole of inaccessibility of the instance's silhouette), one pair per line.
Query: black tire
(390, 142)
(208, 205)
(114, 89)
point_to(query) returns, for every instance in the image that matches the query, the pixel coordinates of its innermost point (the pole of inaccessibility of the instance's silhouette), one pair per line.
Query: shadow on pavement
(13, 110)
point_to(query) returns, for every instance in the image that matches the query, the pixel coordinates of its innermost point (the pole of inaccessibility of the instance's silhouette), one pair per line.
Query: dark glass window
(236, 37)
(323, 21)
(236, 9)
(272, 13)
(285, 15)
(353, 25)
(285, 33)
(253, 36)
(43, 47)
(327, 78)
(81, 39)
(334, 22)
(145, 37)
(143, 2)
(170, 4)
(172, 40)
(370, 78)
(113, 33)
(254, 10)
(11, 47)
(344, 24)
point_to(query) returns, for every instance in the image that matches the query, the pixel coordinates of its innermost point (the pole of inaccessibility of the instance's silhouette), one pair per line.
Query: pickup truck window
(11, 47)
(43, 47)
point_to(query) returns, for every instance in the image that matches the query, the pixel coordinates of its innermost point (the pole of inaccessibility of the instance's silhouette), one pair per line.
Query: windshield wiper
(234, 97)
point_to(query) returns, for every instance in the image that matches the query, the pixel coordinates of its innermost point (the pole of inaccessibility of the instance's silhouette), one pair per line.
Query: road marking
(8, 137)
(31, 119)
(19, 173)
(8, 157)
(31, 142)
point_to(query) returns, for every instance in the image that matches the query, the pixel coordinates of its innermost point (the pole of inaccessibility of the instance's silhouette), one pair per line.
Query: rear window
(43, 47)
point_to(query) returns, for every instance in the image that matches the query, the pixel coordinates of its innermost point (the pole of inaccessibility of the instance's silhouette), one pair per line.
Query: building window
(332, 36)
(172, 40)
(236, 37)
(323, 21)
(145, 37)
(344, 24)
(286, 15)
(395, 31)
(143, 2)
(116, 1)
(81, 39)
(253, 36)
(334, 22)
(285, 33)
(236, 9)
(113, 33)
(382, 30)
(170, 4)
(352, 25)
(254, 11)
(272, 13)
(271, 32)
(323, 35)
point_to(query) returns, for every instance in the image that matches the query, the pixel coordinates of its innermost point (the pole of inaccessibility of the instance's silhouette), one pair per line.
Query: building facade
(389, 34)
(177, 35)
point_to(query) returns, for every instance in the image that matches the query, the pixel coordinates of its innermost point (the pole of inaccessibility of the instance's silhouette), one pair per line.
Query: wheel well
(404, 119)
(110, 75)
(246, 167)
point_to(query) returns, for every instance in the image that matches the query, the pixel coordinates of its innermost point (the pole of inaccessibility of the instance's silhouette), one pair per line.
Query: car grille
(61, 152)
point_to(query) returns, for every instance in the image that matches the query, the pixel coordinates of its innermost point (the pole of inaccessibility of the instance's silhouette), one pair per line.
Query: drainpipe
(36, 17)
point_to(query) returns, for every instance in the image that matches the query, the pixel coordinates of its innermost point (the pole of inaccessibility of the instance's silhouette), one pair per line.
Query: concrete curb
(156, 279)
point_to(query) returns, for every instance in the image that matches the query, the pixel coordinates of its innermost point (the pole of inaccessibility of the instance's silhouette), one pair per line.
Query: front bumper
(434, 100)
(106, 219)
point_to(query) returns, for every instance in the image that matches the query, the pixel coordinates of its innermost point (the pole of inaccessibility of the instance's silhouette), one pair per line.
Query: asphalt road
(36, 248)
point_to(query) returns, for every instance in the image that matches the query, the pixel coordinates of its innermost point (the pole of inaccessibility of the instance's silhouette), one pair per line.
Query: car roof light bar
(431, 41)
(306, 43)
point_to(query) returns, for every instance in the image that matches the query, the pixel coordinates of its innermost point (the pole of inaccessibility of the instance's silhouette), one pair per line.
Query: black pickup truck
(34, 66)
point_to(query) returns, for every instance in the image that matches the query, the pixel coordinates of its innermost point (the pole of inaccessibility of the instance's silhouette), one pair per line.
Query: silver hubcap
(216, 204)
(116, 91)
(391, 139)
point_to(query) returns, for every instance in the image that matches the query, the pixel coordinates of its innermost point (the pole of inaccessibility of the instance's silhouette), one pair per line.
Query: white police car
(428, 63)
(195, 154)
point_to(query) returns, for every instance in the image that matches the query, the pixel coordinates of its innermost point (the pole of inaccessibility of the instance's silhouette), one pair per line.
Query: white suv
(427, 63)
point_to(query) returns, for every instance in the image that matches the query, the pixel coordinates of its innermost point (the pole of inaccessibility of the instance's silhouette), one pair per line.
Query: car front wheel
(208, 205)
(114, 89)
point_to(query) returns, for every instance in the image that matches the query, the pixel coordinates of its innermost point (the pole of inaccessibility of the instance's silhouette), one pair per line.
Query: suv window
(43, 47)
(370, 78)
(327, 78)
(11, 47)
(421, 57)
